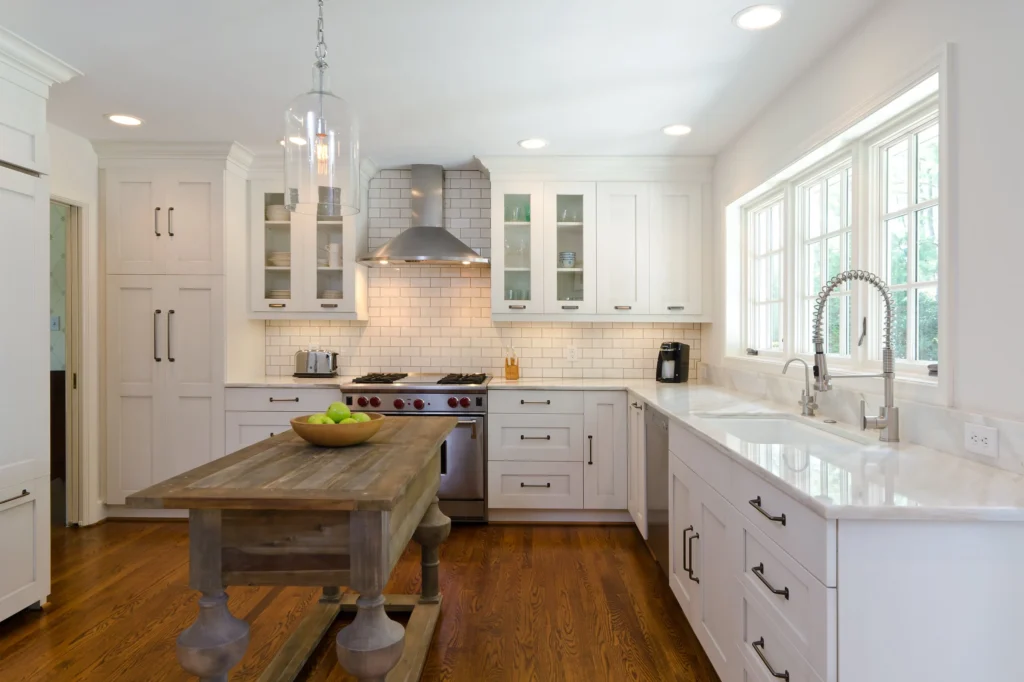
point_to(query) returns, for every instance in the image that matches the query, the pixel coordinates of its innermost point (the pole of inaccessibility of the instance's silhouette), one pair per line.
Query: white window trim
(920, 89)
(761, 204)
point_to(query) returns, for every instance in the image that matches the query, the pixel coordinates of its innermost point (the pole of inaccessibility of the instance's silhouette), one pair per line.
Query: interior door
(194, 222)
(605, 472)
(136, 351)
(194, 411)
(135, 221)
(683, 527)
(570, 248)
(676, 244)
(623, 248)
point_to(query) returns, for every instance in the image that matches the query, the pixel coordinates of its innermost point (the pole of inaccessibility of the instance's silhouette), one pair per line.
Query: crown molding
(368, 169)
(599, 168)
(38, 64)
(230, 152)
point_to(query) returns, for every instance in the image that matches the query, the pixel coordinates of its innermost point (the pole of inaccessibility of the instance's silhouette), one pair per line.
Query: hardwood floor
(526, 603)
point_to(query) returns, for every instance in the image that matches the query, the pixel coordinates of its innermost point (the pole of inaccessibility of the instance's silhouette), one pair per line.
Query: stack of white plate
(330, 293)
(279, 293)
(279, 259)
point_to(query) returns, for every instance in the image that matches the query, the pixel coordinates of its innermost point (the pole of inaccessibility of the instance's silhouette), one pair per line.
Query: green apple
(361, 416)
(338, 411)
(349, 420)
(320, 418)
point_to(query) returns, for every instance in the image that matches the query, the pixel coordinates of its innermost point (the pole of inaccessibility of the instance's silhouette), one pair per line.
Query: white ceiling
(434, 81)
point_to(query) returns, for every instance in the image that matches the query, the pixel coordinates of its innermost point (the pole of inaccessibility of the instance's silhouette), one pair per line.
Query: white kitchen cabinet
(676, 255)
(682, 526)
(605, 474)
(245, 428)
(570, 248)
(623, 248)
(291, 271)
(517, 251)
(165, 378)
(636, 501)
(534, 485)
(160, 220)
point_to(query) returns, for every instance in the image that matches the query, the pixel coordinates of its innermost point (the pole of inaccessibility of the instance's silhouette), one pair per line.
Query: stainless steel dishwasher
(656, 441)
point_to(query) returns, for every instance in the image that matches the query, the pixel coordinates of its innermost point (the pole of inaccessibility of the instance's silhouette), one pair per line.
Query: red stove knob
(418, 404)
(453, 402)
(464, 402)
(399, 403)
(363, 402)
(374, 402)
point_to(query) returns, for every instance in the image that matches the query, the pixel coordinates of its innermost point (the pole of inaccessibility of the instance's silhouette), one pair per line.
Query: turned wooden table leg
(217, 641)
(372, 644)
(432, 531)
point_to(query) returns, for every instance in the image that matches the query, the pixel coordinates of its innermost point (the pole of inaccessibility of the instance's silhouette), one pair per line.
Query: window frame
(763, 203)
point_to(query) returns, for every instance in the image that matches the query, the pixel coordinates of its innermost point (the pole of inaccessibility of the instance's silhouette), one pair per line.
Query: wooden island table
(284, 512)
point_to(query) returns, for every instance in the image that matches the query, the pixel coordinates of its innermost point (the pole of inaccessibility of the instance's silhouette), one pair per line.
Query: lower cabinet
(605, 469)
(257, 413)
(636, 454)
(242, 429)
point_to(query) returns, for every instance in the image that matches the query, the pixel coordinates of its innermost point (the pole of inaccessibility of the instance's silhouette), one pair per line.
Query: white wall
(982, 355)
(74, 177)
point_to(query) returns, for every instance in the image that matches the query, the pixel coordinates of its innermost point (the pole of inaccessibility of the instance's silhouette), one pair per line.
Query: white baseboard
(557, 516)
(119, 511)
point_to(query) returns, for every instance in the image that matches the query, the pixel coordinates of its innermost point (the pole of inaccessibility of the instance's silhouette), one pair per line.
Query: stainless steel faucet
(808, 401)
(888, 419)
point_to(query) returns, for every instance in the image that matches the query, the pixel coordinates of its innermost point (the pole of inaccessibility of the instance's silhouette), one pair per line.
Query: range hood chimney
(426, 242)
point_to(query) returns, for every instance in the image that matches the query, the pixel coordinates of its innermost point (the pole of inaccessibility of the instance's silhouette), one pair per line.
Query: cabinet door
(682, 525)
(274, 243)
(570, 248)
(194, 222)
(242, 429)
(194, 390)
(136, 347)
(326, 263)
(675, 249)
(135, 221)
(623, 248)
(716, 559)
(517, 248)
(637, 502)
(605, 474)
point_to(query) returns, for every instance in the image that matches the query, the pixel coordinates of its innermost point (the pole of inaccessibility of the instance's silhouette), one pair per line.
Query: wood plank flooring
(521, 603)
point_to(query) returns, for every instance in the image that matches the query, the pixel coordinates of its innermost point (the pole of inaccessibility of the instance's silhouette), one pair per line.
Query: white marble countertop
(861, 479)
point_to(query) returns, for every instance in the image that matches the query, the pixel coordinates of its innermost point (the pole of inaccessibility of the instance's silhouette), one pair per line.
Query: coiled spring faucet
(888, 419)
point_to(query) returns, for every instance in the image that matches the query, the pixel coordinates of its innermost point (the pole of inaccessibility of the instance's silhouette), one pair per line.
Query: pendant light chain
(321, 47)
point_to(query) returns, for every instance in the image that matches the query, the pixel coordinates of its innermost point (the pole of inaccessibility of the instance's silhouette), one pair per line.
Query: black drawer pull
(328, 305)
(759, 572)
(533, 485)
(534, 402)
(591, 460)
(689, 570)
(284, 400)
(24, 493)
(685, 531)
(759, 650)
(570, 307)
(517, 307)
(676, 307)
(756, 504)
(522, 437)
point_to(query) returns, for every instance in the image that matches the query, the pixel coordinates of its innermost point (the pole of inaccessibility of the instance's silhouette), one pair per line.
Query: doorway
(65, 345)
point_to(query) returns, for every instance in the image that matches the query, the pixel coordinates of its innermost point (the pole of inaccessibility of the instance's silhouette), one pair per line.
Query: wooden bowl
(337, 435)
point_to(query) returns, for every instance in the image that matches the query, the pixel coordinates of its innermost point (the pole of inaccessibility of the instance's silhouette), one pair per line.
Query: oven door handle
(444, 458)
(469, 422)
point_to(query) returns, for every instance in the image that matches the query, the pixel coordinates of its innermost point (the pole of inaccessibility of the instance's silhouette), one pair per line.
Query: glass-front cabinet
(517, 248)
(274, 242)
(570, 248)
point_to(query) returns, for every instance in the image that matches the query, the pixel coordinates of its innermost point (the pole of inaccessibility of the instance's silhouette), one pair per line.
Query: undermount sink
(775, 429)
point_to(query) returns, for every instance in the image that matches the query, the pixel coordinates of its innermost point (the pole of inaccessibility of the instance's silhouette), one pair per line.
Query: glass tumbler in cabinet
(516, 260)
(570, 248)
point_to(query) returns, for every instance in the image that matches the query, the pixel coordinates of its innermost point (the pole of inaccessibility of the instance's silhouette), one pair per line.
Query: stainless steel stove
(463, 494)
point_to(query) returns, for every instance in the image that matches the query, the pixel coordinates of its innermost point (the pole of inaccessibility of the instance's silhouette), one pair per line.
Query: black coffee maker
(673, 362)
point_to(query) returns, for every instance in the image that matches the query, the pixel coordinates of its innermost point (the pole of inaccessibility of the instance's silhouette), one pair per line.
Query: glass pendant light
(321, 146)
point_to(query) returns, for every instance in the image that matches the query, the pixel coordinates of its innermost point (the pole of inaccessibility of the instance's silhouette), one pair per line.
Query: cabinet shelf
(517, 223)
(329, 269)
(517, 269)
(277, 268)
(561, 224)
(570, 269)
(277, 222)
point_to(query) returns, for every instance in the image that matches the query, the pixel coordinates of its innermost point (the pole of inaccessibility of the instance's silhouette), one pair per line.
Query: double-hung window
(764, 281)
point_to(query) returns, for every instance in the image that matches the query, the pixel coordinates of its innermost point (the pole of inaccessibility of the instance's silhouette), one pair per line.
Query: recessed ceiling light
(300, 141)
(383, 262)
(758, 17)
(533, 143)
(124, 119)
(676, 129)
(465, 262)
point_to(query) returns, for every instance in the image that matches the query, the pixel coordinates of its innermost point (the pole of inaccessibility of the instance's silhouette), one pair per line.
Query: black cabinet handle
(156, 221)
(759, 572)
(156, 352)
(170, 221)
(685, 531)
(533, 485)
(24, 493)
(284, 400)
(170, 358)
(517, 307)
(570, 307)
(756, 504)
(759, 650)
(591, 439)
(534, 402)
(522, 437)
(328, 305)
(676, 307)
(689, 571)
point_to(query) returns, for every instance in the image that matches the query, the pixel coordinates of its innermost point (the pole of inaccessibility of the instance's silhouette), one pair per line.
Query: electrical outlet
(981, 440)
(572, 354)
(54, 323)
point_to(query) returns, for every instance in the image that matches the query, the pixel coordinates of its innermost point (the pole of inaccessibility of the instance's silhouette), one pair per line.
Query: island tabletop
(284, 512)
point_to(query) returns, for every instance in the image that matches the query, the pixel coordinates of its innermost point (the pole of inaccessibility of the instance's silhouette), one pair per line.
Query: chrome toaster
(316, 363)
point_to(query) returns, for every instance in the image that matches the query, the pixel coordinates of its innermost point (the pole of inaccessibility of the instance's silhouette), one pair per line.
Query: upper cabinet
(303, 265)
(596, 239)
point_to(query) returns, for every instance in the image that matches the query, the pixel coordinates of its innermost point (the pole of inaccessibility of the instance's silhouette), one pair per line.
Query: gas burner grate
(379, 378)
(463, 379)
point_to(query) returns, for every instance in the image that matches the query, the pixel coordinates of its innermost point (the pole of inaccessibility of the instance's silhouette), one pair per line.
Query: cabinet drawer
(535, 402)
(807, 537)
(806, 611)
(779, 655)
(242, 429)
(535, 485)
(286, 399)
(19, 529)
(535, 437)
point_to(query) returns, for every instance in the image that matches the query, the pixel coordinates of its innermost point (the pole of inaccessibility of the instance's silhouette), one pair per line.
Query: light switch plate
(572, 353)
(54, 323)
(981, 440)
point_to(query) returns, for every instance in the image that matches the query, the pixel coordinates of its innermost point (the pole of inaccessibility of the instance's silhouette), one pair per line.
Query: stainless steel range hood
(426, 242)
